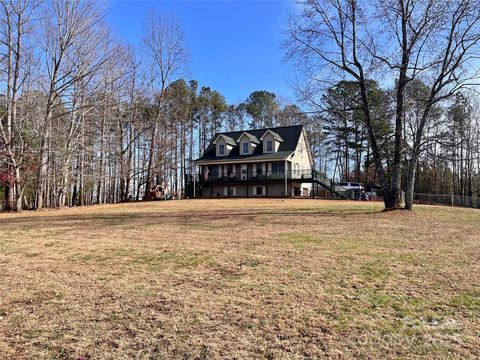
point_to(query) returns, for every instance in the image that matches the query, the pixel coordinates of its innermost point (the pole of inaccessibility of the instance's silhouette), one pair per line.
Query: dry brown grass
(278, 279)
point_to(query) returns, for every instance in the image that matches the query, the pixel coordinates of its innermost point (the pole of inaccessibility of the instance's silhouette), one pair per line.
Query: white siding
(301, 158)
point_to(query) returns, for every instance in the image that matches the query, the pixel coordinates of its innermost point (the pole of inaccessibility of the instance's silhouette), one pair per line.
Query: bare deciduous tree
(330, 35)
(166, 50)
(16, 60)
(71, 33)
(400, 40)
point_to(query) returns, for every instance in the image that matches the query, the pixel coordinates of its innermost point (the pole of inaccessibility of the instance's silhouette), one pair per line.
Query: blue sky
(235, 45)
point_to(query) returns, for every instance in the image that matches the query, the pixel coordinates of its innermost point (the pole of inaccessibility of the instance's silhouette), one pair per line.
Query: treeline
(450, 159)
(86, 119)
(396, 80)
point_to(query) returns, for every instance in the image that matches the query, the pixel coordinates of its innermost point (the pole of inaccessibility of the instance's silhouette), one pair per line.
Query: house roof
(274, 134)
(228, 139)
(251, 137)
(289, 134)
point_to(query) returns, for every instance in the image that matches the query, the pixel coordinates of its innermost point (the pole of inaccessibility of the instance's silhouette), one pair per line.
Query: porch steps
(328, 184)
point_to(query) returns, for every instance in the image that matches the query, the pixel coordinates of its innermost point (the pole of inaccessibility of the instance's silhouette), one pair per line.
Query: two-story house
(274, 162)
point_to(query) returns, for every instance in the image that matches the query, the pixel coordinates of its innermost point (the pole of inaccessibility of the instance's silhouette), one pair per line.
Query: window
(269, 146)
(245, 148)
(278, 168)
(259, 190)
(259, 169)
(221, 149)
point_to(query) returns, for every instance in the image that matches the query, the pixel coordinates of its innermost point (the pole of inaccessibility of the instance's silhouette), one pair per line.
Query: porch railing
(239, 176)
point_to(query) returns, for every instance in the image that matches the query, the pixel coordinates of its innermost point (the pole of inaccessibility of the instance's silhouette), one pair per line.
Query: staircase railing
(329, 184)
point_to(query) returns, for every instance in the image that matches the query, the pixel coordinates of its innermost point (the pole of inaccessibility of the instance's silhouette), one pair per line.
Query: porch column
(286, 179)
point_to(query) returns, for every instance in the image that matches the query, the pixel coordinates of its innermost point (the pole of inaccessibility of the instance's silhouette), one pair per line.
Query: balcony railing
(250, 176)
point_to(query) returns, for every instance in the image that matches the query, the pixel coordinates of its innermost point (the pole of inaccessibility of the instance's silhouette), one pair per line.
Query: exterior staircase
(328, 184)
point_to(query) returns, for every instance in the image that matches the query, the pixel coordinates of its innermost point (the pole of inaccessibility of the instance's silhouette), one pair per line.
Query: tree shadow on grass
(101, 221)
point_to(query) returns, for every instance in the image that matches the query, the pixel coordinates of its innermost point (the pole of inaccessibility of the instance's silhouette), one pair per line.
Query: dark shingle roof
(289, 134)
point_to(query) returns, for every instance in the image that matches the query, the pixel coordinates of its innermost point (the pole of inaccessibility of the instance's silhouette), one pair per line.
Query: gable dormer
(247, 143)
(271, 142)
(223, 145)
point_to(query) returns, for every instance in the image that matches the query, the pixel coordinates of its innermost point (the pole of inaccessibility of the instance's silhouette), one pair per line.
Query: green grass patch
(375, 270)
(469, 300)
(300, 239)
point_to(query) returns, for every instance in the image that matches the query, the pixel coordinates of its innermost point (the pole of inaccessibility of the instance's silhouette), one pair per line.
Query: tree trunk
(151, 153)
(42, 170)
(388, 197)
(9, 198)
(411, 174)
(18, 191)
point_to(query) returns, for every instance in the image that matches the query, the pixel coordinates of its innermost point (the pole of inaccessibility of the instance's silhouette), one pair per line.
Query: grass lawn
(236, 279)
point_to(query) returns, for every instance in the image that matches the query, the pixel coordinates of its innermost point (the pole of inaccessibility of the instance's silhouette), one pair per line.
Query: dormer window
(224, 144)
(271, 141)
(247, 143)
(269, 146)
(221, 149)
(245, 148)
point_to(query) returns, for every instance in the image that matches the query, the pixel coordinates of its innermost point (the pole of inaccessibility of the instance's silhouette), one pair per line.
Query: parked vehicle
(353, 190)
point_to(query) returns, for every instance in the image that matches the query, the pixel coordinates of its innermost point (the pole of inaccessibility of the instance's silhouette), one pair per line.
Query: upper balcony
(248, 176)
